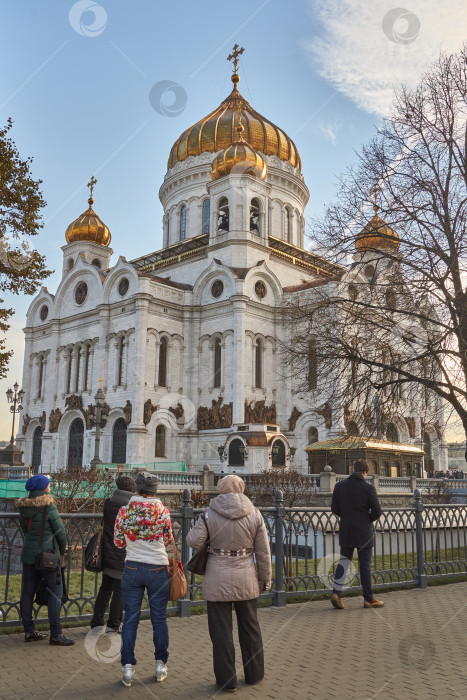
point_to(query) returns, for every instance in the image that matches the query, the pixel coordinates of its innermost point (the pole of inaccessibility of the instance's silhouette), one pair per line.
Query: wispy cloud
(367, 48)
(330, 130)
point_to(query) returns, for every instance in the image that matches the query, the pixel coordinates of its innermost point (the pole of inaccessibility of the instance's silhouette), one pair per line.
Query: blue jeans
(137, 578)
(30, 581)
(364, 564)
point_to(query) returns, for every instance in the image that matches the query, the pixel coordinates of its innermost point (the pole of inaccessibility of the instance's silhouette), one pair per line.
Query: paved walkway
(415, 648)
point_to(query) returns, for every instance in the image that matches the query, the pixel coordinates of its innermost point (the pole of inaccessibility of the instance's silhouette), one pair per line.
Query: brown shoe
(373, 603)
(336, 602)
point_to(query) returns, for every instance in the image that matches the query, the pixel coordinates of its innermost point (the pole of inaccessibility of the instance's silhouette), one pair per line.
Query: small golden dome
(88, 226)
(377, 234)
(239, 158)
(217, 131)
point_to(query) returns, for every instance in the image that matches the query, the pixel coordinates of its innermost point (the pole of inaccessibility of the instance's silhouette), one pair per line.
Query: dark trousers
(110, 589)
(249, 636)
(364, 564)
(29, 584)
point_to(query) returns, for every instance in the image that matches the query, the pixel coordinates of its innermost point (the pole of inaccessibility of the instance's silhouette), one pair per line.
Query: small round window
(81, 292)
(369, 271)
(123, 286)
(96, 263)
(353, 291)
(217, 288)
(44, 312)
(260, 290)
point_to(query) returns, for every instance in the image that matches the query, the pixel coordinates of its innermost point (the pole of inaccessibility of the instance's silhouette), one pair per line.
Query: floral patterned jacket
(144, 527)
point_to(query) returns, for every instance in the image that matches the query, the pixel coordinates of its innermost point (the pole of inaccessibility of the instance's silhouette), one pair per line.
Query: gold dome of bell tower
(88, 226)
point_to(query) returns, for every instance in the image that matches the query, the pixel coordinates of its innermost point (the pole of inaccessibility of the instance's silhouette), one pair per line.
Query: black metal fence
(412, 545)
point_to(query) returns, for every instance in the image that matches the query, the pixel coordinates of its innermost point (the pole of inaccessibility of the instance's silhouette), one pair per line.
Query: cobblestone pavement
(414, 648)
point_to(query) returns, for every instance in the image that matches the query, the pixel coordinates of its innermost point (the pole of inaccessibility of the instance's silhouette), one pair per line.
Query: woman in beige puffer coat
(237, 532)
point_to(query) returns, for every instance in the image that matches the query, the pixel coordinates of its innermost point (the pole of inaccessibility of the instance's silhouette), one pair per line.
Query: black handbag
(45, 561)
(42, 591)
(93, 553)
(199, 560)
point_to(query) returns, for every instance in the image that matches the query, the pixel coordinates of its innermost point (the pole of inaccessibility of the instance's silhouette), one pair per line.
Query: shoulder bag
(46, 561)
(178, 585)
(199, 560)
(93, 552)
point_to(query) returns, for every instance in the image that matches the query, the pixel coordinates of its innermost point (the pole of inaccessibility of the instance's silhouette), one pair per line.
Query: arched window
(68, 372)
(427, 445)
(254, 216)
(278, 453)
(217, 363)
(206, 216)
(121, 361)
(259, 364)
(78, 367)
(223, 223)
(352, 428)
(75, 443)
(119, 442)
(287, 225)
(160, 441)
(312, 365)
(162, 375)
(235, 456)
(96, 263)
(40, 381)
(87, 352)
(391, 433)
(183, 223)
(36, 449)
(312, 437)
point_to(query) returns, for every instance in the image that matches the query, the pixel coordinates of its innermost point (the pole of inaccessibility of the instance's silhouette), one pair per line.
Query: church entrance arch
(119, 442)
(36, 449)
(75, 443)
(235, 456)
(278, 454)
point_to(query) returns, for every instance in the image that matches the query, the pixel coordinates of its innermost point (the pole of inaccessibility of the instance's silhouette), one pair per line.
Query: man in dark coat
(355, 502)
(113, 559)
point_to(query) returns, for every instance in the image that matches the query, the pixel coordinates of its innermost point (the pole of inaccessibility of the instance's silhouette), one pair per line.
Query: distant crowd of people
(449, 474)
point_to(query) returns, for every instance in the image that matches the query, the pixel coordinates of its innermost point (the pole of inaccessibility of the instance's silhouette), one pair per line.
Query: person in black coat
(113, 559)
(355, 502)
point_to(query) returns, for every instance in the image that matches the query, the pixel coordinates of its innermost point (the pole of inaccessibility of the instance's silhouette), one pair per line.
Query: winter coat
(30, 517)
(234, 523)
(355, 501)
(113, 558)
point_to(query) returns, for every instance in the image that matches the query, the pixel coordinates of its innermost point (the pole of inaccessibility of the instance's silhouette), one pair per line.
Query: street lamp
(243, 451)
(11, 455)
(376, 403)
(98, 419)
(292, 453)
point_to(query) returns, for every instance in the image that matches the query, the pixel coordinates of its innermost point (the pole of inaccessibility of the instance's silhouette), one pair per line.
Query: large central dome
(218, 131)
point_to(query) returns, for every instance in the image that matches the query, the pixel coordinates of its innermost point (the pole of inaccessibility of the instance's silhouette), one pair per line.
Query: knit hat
(146, 482)
(231, 484)
(126, 483)
(38, 482)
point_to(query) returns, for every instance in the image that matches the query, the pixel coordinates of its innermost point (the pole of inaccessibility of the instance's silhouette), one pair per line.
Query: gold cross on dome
(375, 190)
(91, 184)
(236, 52)
(100, 382)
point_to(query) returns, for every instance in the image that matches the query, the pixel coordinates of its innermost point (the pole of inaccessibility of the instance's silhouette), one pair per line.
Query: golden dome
(239, 158)
(217, 131)
(88, 226)
(377, 234)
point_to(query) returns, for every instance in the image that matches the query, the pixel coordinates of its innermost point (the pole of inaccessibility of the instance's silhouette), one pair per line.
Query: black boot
(62, 641)
(34, 636)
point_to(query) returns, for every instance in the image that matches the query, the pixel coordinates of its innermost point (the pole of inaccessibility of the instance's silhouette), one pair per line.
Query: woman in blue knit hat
(30, 509)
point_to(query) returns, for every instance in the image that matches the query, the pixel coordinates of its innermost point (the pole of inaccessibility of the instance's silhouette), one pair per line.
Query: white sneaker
(161, 671)
(128, 671)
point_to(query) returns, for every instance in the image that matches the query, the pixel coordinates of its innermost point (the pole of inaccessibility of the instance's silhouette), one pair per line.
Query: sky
(106, 88)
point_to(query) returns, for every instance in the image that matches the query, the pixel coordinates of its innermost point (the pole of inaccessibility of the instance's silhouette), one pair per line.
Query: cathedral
(186, 339)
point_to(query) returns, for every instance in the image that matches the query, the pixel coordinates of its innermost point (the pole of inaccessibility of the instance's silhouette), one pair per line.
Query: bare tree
(395, 315)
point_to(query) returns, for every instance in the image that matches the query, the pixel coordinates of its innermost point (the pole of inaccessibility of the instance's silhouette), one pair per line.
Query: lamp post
(376, 403)
(292, 453)
(222, 453)
(244, 452)
(11, 455)
(98, 419)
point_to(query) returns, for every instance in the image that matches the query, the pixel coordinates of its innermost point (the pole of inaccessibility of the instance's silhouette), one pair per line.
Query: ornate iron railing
(411, 545)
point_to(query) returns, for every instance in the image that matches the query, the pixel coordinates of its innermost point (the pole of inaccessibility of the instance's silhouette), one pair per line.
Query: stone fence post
(327, 480)
(207, 478)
